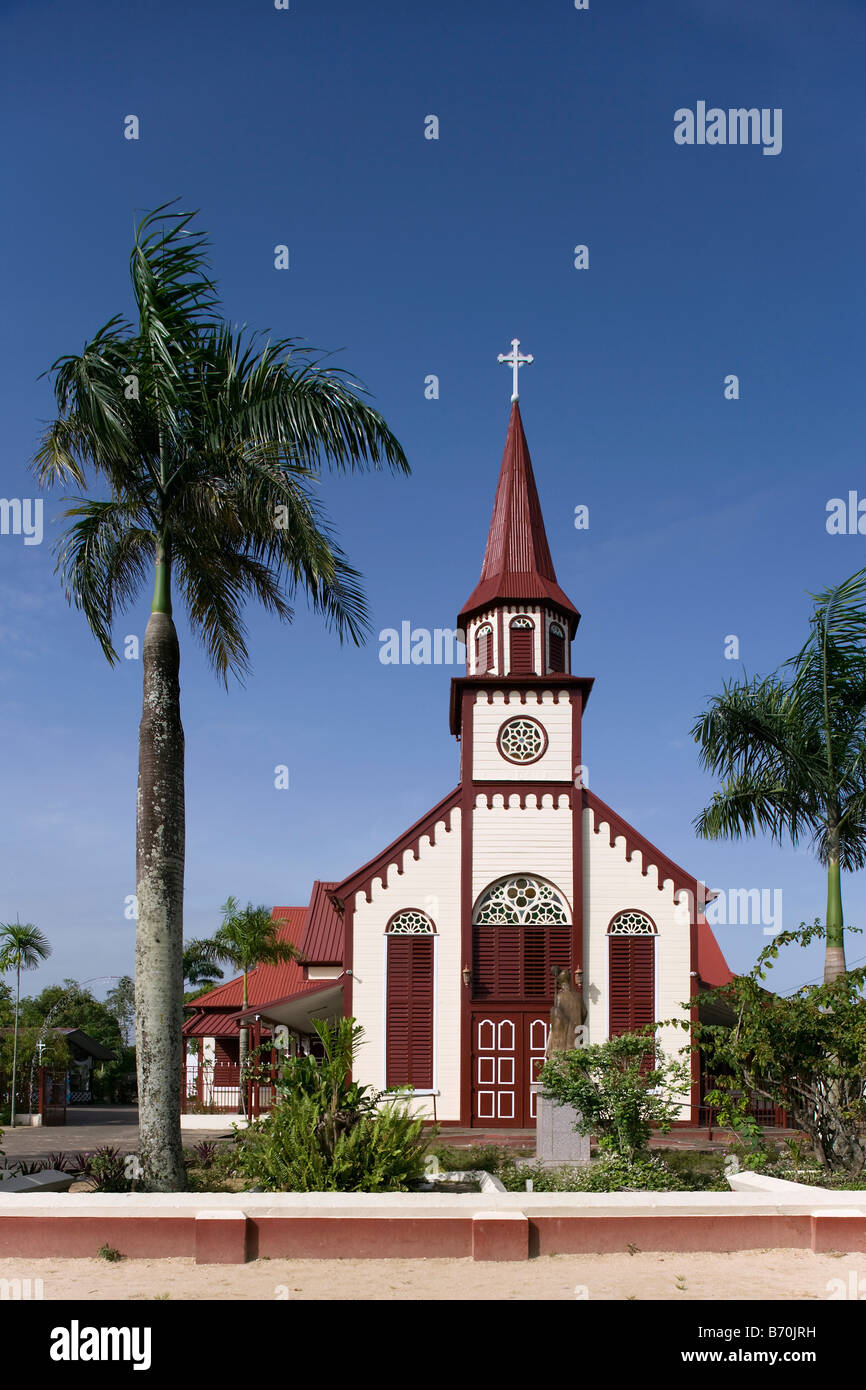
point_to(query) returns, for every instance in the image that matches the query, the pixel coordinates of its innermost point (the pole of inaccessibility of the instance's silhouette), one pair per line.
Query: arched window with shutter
(632, 979)
(484, 650)
(556, 648)
(521, 935)
(410, 937)
(521, 632)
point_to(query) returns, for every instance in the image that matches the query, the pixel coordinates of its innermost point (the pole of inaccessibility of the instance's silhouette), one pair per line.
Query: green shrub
(107, 1169)
(615, 1095)
(325, 1134)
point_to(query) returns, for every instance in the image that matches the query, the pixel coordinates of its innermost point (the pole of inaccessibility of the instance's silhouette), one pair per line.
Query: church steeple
(517, 565)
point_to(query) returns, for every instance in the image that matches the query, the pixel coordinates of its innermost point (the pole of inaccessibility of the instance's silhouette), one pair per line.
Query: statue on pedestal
(557, 1139)
(568, 1014)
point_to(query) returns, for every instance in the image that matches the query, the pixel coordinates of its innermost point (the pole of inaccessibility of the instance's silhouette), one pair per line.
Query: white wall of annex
(610, 885)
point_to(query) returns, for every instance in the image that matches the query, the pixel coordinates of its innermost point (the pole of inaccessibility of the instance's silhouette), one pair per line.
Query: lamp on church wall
(467, 976)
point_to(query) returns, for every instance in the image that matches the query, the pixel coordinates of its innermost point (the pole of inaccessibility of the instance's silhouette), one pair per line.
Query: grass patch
(488, 1157)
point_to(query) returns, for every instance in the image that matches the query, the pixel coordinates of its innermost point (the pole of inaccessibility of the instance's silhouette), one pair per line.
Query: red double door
(507, 1055)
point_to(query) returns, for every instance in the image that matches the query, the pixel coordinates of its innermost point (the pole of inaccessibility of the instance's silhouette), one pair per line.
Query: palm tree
(22, 947)
(247, 938)
(200, 970)
(793, 751)
(205, 443)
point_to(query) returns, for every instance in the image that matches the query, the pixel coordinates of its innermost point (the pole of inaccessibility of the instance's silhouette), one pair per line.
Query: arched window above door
(520, 900)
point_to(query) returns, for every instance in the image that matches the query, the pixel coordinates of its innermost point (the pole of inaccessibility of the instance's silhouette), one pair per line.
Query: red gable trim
(707, 958)
(634, 841)
(362, 880)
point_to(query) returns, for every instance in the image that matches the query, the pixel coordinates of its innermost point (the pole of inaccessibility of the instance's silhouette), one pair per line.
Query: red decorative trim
(577, 836)
(467, 805)
(520, 685)
(349, 949)
(523, 762)
(362, 879)
(637, 843)
(522, 790)
(694, 1016)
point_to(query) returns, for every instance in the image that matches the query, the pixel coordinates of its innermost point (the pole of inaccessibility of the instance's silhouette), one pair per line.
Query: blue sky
(305, 127)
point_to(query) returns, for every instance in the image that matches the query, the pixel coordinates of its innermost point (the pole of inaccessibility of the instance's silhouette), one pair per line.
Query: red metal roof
(323, 933)
(266, 981)
(216, 1025)
(517, 563)
(713, 969)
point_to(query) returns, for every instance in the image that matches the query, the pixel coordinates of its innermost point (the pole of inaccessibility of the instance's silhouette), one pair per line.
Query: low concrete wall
(215, 1124)
(233, 1227)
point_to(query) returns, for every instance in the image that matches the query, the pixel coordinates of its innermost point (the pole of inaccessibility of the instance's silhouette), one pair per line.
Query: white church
(445, 945)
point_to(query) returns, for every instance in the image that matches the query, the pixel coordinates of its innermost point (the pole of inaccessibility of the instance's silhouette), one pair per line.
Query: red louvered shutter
(484, 652)
(522, 654)
(556, 650)
(516, 962)
(409, 1005)
(632, 984)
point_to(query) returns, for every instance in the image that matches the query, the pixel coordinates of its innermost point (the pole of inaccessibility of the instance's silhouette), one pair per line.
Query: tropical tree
(791, 749)
(120, 1001)
(205, 443)
(247, 937)
(73, 1005)
(22, 947)
(200, 970)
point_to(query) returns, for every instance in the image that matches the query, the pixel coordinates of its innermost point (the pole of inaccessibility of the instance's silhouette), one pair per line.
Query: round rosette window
(522, 740)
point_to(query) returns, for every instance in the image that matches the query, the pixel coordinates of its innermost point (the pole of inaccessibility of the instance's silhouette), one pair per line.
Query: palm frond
(103, 559)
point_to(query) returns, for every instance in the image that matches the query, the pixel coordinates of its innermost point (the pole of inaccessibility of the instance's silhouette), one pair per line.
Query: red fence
(768, 1114)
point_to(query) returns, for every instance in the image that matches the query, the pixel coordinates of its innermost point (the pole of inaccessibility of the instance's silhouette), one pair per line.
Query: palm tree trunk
(160, 865)
(834, 958)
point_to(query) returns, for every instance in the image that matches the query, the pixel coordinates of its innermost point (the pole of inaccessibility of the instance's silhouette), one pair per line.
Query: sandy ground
(757, 1275)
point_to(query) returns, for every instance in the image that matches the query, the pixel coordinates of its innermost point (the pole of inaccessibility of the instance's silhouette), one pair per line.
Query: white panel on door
(506, 1071)
(486, 1107)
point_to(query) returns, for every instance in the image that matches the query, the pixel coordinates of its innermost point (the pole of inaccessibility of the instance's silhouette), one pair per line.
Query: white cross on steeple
(514, 360)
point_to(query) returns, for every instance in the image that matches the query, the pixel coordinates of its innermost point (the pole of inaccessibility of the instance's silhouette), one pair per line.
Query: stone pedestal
(557, 1141)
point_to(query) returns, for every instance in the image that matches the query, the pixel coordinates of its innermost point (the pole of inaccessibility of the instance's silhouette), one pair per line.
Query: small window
(484, 650)
(522, 635)
(556, 648)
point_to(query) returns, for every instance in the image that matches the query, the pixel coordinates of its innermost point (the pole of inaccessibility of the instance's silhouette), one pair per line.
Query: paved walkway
(86, 1128)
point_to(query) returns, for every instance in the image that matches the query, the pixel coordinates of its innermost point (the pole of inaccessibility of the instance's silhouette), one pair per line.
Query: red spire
(517, 563)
